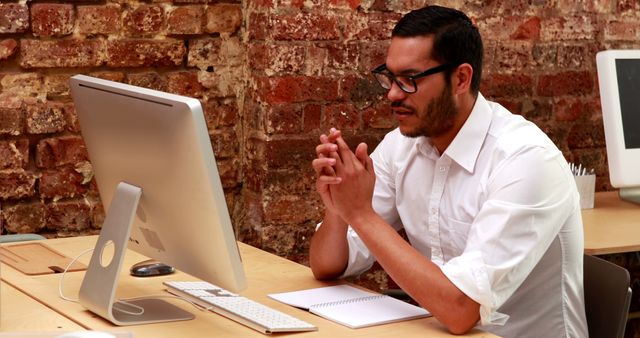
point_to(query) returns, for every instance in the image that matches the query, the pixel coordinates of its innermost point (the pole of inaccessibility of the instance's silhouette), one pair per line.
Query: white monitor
(619, 79)
(157, 176)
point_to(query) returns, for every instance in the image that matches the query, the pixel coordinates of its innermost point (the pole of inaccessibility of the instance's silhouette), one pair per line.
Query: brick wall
(272, 75)
(185, 47)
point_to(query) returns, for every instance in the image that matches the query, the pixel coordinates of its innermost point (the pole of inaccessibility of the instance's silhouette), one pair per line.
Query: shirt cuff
(468, 273)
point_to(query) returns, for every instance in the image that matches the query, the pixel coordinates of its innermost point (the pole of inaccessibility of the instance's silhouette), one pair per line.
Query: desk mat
(37, 259)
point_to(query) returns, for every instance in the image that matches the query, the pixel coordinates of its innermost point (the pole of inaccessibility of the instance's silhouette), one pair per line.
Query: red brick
(371, 26)
(70, 115)
(621, 30)
(229, 171)
(62, 183)
(24, 218)
(283, 119)
(52, 19)
(630, 6)
(145, 20)
(223, 18)
(528, 30)
(15, 184)
(289, 152)
(352, 4)
(358, 89)
(225, 143)
(145, 53)
(61, 53)
(343, 56)
(224, 82)
(378, 116)
(507, 85)
(597, 6)
(185, 20)
(285, 59)
(297, 89)
(514, 56)
(205, 53)
(512, 105)
(312, 115)
(343, 116)
(259, 26)
(569, 28)
(11, 121)
(571, 110)
(151, 80)
(71, 215)
(14, 18)
(210, 54)
(565, 83)
(14, 154)
(109, 75)
(372, 54)
(184, 83)
(101, 19)
(577, 57)
(57, 85)
(304, 26)
(8, 48)
(59, 151)
(221, 114)
(586, 135)
(24, 85)
(45, 118)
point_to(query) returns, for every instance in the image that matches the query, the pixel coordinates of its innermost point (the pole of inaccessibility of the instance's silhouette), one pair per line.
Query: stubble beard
(437, 118)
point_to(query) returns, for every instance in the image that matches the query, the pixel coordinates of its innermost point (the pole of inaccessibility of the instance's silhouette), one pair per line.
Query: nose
(395, 93)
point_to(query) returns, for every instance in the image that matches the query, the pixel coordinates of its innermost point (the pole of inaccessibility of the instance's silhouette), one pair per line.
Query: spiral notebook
(351, 306)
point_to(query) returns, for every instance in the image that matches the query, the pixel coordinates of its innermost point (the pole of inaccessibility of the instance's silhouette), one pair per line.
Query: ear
(462, 78)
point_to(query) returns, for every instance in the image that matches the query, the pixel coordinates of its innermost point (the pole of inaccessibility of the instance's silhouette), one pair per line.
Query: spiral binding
(347, 301)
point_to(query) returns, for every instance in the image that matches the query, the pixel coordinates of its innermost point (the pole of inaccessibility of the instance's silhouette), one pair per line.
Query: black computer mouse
(151, 268)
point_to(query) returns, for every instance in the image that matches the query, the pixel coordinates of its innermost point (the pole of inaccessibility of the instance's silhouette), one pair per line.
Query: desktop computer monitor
(157, 177)
(619, 82)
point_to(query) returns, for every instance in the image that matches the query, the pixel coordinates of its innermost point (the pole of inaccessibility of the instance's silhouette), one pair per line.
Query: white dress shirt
(498, 212)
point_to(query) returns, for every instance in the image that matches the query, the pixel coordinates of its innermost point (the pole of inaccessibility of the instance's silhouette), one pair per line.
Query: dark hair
(456, 39)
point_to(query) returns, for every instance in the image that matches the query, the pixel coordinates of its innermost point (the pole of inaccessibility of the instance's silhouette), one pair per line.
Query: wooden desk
(612, 226)
(22, 313)
(266, 273)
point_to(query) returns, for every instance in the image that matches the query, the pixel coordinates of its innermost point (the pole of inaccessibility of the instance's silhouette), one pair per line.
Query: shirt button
(434, 211)
(443, 168)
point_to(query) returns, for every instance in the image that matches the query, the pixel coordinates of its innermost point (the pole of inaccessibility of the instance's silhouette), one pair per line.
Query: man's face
(430, 111)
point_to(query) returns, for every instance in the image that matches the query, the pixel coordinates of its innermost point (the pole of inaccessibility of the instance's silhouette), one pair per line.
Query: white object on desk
(243, 310)
(586, 188)
(351, 306)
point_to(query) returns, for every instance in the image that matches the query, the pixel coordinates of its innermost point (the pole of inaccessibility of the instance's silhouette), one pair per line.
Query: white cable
(121, 301)
(60, 284)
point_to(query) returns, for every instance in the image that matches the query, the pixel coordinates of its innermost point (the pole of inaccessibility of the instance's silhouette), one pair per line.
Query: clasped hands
(346, 179)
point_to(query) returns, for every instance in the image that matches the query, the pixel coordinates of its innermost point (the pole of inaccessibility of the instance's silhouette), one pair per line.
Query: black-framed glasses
(406, 82)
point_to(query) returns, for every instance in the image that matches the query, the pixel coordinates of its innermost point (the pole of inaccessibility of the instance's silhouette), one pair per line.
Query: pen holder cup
(586, 188)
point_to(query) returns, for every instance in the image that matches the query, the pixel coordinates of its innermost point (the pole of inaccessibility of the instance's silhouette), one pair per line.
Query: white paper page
(369, 312)
(307, 298)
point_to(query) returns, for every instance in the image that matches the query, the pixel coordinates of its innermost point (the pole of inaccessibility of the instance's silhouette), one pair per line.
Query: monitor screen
(158, 180)
(628, 74)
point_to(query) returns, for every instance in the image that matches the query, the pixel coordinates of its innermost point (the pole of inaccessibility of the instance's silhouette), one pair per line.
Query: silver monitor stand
(98, 289)
(630, 194)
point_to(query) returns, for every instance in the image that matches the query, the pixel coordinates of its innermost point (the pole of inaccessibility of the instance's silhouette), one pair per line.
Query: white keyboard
(243, 310)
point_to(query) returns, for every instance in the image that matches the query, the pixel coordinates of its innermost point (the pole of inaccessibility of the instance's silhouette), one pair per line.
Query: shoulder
(513, 134)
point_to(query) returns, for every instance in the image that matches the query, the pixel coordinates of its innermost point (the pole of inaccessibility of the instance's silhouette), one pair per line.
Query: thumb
(363, 157)
(361, 154)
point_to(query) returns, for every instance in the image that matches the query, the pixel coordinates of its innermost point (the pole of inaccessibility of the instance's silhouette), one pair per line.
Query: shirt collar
(465, 147)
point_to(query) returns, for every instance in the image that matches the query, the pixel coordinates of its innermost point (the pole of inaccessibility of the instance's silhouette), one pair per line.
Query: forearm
(329, 251)
(417, 275)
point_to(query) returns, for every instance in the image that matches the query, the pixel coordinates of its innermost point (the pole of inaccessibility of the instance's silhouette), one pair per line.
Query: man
(487, 201)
